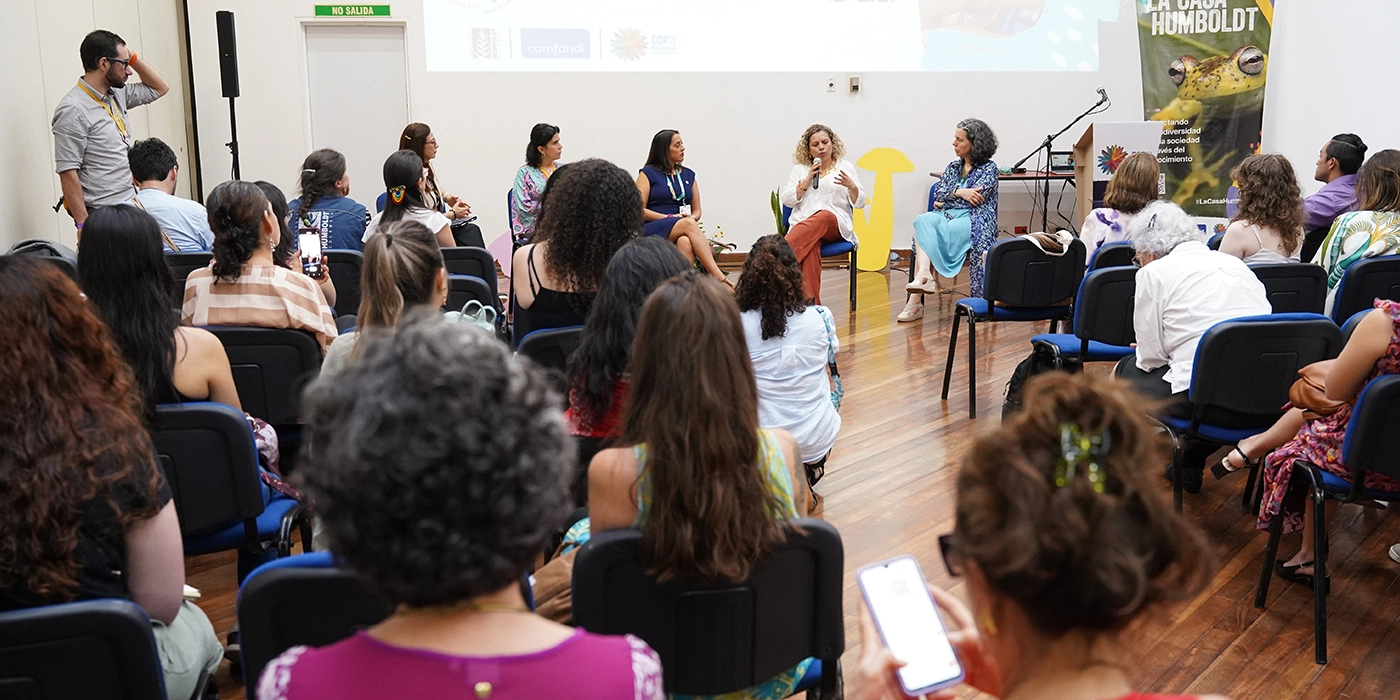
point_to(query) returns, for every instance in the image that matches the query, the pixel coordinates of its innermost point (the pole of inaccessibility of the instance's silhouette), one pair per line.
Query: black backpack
(1040, 361)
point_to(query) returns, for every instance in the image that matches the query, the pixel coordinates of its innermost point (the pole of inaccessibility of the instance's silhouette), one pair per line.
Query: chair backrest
(379, 202)
(346, 267)
(551, 347)
(787, 213)
(98, 649)
(1020, 274)
(1350, 326)
(1246, 365)
(470, 260)
(1294, 287)
(305, 600)
(1103, 310)
(1115, 254)
(1373, 433)
(1214, 241)
(718, 637)
(270, 368)
(1364, 282)
(207, 453)
(464, 288)
(181, 265)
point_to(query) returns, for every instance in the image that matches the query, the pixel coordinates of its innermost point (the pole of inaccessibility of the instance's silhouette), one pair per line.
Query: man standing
(1337, 165)
(185, 222)
(91, 135)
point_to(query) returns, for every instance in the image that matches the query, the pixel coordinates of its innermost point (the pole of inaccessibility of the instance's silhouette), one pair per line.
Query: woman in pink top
(440, 467)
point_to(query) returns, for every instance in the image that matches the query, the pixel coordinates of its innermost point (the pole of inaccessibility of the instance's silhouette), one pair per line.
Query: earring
(989, 625)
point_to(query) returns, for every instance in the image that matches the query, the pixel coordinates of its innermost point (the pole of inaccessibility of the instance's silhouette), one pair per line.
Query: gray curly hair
(438, 461)
(984, 140)
(1160, 227)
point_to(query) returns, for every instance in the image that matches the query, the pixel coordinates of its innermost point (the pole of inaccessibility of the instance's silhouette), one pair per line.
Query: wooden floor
(889, 490)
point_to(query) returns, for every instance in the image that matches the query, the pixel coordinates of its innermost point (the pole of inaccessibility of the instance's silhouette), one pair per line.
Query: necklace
(677, 173)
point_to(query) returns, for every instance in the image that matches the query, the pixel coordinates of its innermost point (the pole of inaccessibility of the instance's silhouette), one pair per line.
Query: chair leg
(1176, 474)
(971, 367)
(1270, 551)
(1248, 497)
(952, 348)
(1320, 583)
(853, 279)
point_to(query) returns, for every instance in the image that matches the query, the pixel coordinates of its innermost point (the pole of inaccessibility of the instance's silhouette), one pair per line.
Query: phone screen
(909, 623)
(310, 244)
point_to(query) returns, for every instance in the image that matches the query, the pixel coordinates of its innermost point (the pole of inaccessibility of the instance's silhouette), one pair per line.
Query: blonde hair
(803, 156)
(400, 271)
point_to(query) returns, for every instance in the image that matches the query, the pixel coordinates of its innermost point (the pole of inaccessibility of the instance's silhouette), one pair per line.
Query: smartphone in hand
(309, 241)
(910, 626)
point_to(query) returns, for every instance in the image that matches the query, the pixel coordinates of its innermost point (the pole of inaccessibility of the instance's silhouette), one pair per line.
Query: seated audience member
(1130, 189)
(184, 222)
(1268, 226)
(1065, 544)
(244, 287)
(87, 513)
(403, 270)
(403, 181)
(439, 464)
(1371, 231)
(598, 368)
(671, 201)
(419, 138)
(325, 205)
(287, 252)
(709, 489)
(589, 211)
(790, 344)
(1337, 164)
(1183, 289)
(541, 160)
(820, 215)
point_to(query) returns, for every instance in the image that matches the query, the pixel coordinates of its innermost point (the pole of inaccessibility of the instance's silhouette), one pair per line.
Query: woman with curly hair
(439, 465)
(86, 513)
(245, 286)
(963, 220)
(591, 209)
(1131, 188)
(1268, 226)
(820, 215)
(791, 346)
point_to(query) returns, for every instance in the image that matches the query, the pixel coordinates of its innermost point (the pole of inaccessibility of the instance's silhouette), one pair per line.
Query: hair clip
(388, 239)
(397, 193)
(1076, 448)
(308, 170)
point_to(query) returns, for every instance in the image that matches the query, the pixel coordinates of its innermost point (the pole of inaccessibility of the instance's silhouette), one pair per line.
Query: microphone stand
(1047, 148)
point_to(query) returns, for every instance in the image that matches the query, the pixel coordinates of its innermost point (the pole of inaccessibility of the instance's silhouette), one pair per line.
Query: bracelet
(80, 226)
(131, 60)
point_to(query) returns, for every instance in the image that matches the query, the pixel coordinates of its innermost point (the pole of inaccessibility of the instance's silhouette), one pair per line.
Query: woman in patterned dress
(1372, 231)
(541, 160)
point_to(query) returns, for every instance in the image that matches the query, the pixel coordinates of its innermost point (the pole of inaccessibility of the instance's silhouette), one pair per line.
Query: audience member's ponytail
(319, 173)
(401, 267)
(236, 210)
(402, 171)
(772, 284)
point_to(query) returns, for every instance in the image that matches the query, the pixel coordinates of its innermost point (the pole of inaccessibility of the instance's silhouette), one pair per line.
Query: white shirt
(432, 219)
(1181, 295)
(184, 220)
(794, 392)
(827, 196)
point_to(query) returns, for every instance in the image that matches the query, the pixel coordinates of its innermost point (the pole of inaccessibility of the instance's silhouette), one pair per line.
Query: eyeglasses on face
(951, 559)
(126, 62)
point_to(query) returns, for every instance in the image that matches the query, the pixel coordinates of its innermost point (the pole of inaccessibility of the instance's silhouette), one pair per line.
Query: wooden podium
(1099, 151)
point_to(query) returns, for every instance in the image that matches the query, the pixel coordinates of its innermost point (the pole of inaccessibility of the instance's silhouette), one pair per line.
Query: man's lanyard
(681, 198)
(116, 116)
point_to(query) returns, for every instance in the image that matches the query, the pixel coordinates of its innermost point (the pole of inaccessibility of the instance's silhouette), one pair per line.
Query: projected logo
(629, 44)
(1112, 157)
(555, 43)
(486, 43)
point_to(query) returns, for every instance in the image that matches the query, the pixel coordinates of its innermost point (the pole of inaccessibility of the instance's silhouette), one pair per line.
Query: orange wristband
(132, 59)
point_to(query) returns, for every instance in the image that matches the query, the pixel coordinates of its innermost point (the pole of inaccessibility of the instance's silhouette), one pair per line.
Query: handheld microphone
(1103, 95)
(816, 177)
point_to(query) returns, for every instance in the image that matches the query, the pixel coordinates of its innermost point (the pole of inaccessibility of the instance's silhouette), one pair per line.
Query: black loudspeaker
(228, 53)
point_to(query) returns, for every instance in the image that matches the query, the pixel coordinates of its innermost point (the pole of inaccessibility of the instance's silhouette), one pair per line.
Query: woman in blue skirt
(671, 202)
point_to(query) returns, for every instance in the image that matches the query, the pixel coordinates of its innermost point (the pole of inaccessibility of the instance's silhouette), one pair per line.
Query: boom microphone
(816, 177)
(1103, 95)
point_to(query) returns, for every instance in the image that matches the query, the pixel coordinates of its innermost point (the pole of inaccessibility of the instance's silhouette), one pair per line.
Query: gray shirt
(184, 220)
(86, 139)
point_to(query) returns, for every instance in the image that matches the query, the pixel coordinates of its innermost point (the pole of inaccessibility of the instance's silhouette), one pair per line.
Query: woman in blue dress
(671, 202)
(964, 217)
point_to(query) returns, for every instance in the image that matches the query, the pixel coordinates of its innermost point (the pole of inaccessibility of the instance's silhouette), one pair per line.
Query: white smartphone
(909, 624)
(310, 244)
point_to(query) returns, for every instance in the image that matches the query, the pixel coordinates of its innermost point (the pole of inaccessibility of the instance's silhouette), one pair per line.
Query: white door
(359, 98)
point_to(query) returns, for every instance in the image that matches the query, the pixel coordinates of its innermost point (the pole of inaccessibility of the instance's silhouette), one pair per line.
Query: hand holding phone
(309, 241)
(906, 619)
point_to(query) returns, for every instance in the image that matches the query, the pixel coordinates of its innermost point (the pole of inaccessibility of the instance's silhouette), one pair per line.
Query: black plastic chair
(1103, 319)
(207, 453)
(1243, 368)
(1350, 326)
(719, 637)
(1021, 284)
(1115, 254)
(1371, 443)
(181, 265)
(301, 600)
(470, 260)
(550, 348)
(345, 267)
(1294, 287)
(100, 649)
(1363, 283)
(1214, 241)
(837, 249)
(464, 288)
(270, 368)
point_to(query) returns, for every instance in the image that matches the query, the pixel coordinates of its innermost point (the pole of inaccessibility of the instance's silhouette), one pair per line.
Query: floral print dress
(983, 221)
(1320, 443)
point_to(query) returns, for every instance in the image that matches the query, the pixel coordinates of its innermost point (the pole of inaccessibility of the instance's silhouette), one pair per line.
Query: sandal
(1290, 573)
(1222, 469)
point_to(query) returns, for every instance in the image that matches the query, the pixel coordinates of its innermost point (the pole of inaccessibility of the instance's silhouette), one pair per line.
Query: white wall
(41, 39)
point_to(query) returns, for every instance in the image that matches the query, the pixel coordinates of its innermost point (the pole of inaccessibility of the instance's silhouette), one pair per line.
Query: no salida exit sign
(353, 11)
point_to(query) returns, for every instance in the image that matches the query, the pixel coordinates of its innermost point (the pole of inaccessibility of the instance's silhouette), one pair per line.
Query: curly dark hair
(1270, 197)
(606, 345)
(984, 140)
(771, 283)
(74, 442)
(236, 210)
(1073, 556)
(438, 461)
(590, 209)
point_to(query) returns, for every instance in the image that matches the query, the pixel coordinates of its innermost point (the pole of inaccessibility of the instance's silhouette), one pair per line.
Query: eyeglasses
(126, 63)
(951, 559)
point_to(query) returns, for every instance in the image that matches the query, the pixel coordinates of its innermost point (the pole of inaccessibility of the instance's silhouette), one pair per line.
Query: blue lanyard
(682, 196)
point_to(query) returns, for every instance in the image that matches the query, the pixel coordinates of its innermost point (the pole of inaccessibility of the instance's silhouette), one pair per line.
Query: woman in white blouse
(820, 214)
(403, 181)
(790, 344)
